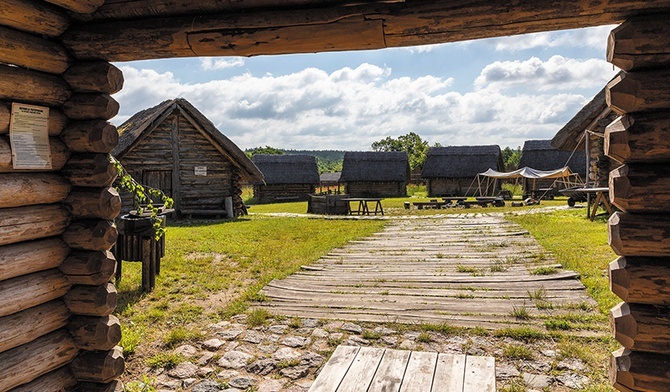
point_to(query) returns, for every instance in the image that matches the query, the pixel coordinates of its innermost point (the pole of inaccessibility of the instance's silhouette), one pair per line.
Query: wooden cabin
(175, 148)
(375, 174)
(56, 221)
(330, 182)
(585, 132)
(541, 155)
(287, 178)
(451, 171)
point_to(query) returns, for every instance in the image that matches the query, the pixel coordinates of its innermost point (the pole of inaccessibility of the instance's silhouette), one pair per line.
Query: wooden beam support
(30, 290)
(90, 136)
(100, 203)
(24, 364)
(91, 106)
(95, 333)
(33, 52)
(637, 371)
(640, 137)
(79, 6)
(90, 170)
(57, 381)
(59, 155)
(91, 300)
(34, 188)
(640, 188)
(20, 224)
(31, 256)
(98, 366)
(94, 77)
(641, 327)
(641, 280)
(91, 234)
(639, 92)
(640, 43)
(89, 268)
(57, 119)
(33, 17)
(23, 85)
(639, 235)
(21, 328)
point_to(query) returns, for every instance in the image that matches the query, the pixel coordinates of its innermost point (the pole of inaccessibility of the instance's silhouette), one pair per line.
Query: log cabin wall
(55, 225)
(452, 186)
(272, 193)
(375, 189)
(640, 233)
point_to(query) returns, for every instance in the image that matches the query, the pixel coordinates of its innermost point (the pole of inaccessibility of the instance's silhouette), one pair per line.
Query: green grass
(518, 351)
(257, 317)
(524, 334)
(164, 360)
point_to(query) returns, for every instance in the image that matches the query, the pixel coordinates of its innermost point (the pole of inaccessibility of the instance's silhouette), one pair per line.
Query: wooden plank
(362, 370)
(419, 373)
(480, 375)
(390, 372)
(449, 373)
(335, 369)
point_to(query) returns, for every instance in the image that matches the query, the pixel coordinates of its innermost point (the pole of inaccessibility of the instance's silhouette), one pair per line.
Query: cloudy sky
(495, 91)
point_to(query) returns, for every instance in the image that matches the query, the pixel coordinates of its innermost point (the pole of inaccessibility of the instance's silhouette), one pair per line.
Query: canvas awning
(528, 172)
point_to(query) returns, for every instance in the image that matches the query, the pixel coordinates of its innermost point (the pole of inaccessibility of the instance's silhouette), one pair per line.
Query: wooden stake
(34, 188)
(31, 256)
(642, 280)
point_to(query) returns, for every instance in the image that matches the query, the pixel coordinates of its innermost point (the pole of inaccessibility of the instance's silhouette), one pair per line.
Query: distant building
(451, 171)
(287, 177)
(541, 155)
(375, 174)
(329, 180)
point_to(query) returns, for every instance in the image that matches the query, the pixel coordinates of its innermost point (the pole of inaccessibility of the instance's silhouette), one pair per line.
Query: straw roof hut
(452, 170)
(375, 174)
(287, 177)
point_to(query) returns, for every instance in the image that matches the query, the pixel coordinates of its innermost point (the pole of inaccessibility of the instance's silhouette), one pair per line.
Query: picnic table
(363, 207)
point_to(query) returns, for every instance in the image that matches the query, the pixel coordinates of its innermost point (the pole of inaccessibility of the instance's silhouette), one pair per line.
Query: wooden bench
(368, 369)
(363, 208)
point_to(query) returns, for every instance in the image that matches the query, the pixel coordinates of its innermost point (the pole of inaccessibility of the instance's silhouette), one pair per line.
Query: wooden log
(641, 137)
(24, 364)
(90, 136)
(89, 268)
(101, 203)
(90, 170)
(640, 188)
(61, 380)
(22, 327)
(30, 51)
(641, 327)
(59, 155)
(639, 43)
(31, 256)
(91, 234)
(18, 84)
(113, 386)
(639, 235)
(95, 333)
(91, 300)
(94, 77)
(30, 290)
(90, 106)
(78, 6)
(98, 366)
(20, 224)
(57, 119)
(639, 92)
(642, 280)
(33, 17)
(638, 371)
(26, 189)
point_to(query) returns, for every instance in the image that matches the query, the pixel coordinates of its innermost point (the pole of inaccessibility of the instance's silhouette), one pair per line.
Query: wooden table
(601, 195)
(374, 369)
(363, 208)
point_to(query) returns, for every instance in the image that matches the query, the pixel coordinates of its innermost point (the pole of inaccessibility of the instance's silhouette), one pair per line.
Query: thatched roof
(373, 166)
(541, 155)
(461, 161)
(330, 177)
(287, 169)
(144, 122)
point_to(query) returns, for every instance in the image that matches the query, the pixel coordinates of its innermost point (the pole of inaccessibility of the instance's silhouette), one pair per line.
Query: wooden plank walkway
(472, 271)
(367, 369)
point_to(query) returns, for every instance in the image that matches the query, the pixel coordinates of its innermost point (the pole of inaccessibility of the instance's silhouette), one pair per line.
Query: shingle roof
(373, 166)
(146, 120)
(461, 161)
(541, 155)
(288, 169)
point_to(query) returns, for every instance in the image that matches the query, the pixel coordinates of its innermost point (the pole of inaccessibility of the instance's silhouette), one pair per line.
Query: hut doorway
(158, 179)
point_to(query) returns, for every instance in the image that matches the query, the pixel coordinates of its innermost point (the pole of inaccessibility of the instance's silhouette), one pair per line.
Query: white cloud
(210, 64)
(592, 37)
(557, 73)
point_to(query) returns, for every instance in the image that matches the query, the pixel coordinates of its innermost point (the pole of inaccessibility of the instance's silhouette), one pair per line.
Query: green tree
(412, 144)
(267, 150)
(511, 158)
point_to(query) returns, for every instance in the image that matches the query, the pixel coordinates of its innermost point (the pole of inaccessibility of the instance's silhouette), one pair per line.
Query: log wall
(375, 189)
(272, 193)
(56, 225)
(451, 186)
(640, 187)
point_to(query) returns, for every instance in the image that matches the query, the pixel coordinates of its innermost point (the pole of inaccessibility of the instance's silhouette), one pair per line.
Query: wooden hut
(175, 148)
(329, 182)
(541, 155)
(375, 174)
(287, 177)
(56, 228)
(451, 171)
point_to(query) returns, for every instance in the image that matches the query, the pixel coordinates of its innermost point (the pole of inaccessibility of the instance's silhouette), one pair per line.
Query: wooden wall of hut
(55, 306)
(272, 193)
(640, 233)
(452, 187)
(375, 189)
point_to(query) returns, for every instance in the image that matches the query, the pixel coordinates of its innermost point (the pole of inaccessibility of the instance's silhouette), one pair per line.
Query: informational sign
(201, 170)
(29, 137)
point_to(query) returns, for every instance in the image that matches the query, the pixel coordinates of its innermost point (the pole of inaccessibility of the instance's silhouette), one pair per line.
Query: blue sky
(495, 91)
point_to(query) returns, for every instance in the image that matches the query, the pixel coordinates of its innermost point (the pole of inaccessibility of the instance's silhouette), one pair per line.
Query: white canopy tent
(488, 180)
